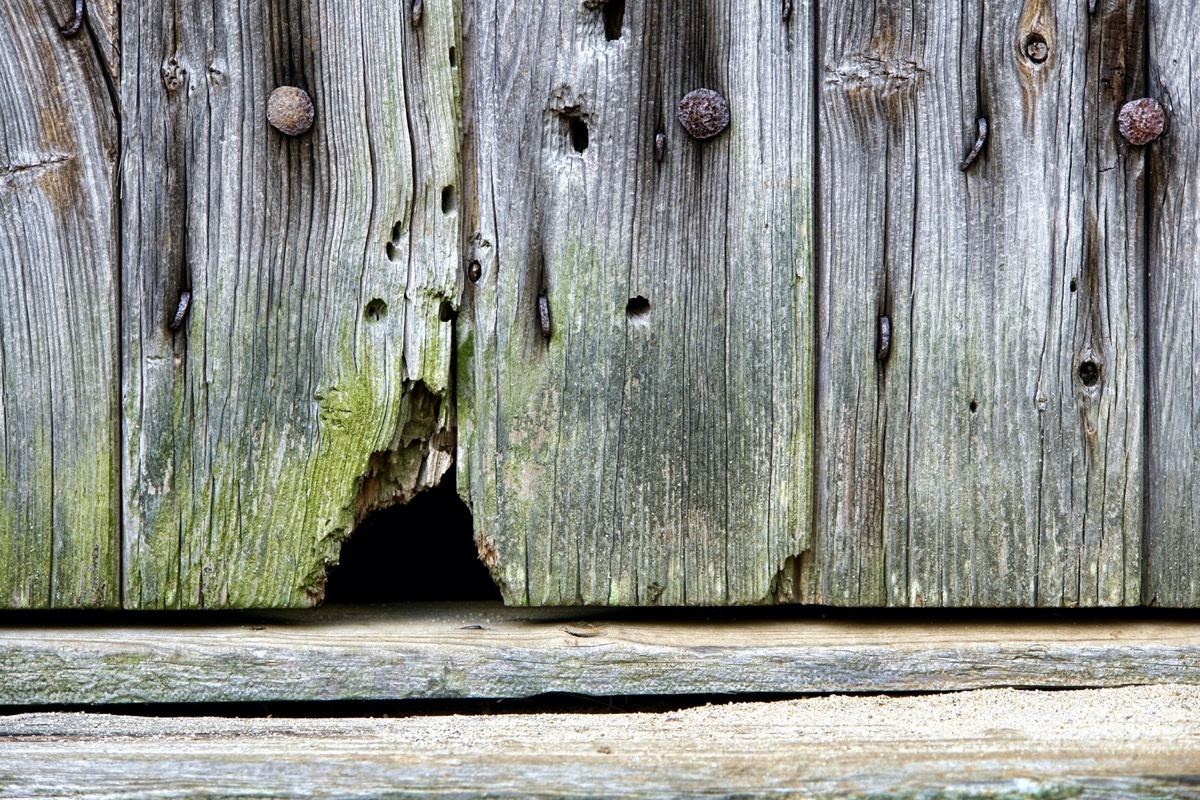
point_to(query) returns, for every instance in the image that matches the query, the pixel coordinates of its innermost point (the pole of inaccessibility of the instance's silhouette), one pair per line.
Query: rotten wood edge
(487, 651)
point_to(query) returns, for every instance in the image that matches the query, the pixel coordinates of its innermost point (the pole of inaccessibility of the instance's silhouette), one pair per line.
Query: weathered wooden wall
(311, 375)
(653, 445)
(59, 310)
(994, 456)
(663, 355)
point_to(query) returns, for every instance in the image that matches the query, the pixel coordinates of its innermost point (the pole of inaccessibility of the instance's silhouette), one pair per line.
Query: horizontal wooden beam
(486, 651)
(1131, 742)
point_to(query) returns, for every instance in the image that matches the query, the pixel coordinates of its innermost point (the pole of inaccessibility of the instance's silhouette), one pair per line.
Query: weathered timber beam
(486, 651)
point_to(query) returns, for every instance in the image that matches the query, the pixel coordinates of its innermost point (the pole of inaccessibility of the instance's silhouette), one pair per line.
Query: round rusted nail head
(290, 110)
(703, 113)
(1142, 121)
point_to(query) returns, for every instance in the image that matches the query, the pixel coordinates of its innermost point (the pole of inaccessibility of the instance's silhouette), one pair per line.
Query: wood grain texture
(994, 458)
(465, 651)
(59, 421)
(309, 380)
(1173, 452)
(1137, 742)
(653, 444)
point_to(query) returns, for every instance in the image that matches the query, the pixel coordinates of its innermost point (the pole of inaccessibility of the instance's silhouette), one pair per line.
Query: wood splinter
(980, 140)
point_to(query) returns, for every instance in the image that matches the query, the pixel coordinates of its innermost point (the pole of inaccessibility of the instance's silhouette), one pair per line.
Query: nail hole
(448, 199)
(446, 311)
(397, 230)
(474, 271)
(1089, 373)
(1074, 285)
(579, 134)
(390, 249)
(1036, 48)
(974, 406)
(375, 310)
(453, 54)
(637, 306)
(614, 18)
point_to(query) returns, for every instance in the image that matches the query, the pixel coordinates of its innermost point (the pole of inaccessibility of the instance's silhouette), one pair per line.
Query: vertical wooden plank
(652, 444)
(59, 424)
(994, 457)
(309, 378)
(1173, 482)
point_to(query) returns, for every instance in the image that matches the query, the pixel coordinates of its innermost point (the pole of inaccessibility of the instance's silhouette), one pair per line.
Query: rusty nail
(76, 24)
(883, 347)
(474, 270)
(543, 309)
(1142, 121)
(290, 110)
(980, 140)
(418, 11)
(787, 10)
(185, 300)
(703, 113)
(660, 145)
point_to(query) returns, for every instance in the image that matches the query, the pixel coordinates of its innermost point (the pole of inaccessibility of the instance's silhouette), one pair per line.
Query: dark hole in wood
(453, 57)
(614, 18)
(446, 311)
(637, 306)
(421, 551)
(474, 271)
(448, 199)
(391, 251)
(1089, 373)
(1036, 48)
(1074, 285)
(974, 406)
(579, 134)
(376, 310)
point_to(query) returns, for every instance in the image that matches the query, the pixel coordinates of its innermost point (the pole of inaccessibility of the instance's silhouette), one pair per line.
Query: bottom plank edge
(1129, 742)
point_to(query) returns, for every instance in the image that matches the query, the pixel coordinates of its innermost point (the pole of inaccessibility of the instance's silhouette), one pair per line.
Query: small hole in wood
(1036, 48)
(375, 310)
(579, 134)
(453, 56)
(397, 230)
(474, 271)
(1089, 373)
(449, 202)
(974, 406)
(391, 251)
(446, 311)
(637, 306)
(1074, 285)
(614, 18)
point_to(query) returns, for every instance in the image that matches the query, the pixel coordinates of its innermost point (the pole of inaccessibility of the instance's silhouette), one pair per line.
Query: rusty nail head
(1142, 121)
(703, 113)
(290, 110)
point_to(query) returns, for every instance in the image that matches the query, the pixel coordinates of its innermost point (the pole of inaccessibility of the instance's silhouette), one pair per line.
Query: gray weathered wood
(487, 651)
(310, 378)
(59, 421)
(975, 467)
(1122, 743)
(632, 453)
(1173, 452)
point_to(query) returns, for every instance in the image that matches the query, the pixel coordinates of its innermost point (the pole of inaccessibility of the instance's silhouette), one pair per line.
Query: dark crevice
(422, 550)
(614, 17)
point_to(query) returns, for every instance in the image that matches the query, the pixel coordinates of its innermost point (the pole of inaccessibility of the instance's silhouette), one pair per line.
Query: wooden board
(1173, 452)
(59, 420)
(485, 651)
(1136, 742)
(993, 458)
(649, 441)
(309, 379)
